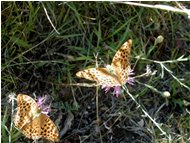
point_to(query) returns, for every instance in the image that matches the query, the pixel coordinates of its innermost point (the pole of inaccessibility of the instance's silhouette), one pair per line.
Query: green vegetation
(44, 44)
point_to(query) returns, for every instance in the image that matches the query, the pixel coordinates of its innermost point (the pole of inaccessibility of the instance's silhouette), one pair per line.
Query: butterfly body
(116, 74)
(32, 123)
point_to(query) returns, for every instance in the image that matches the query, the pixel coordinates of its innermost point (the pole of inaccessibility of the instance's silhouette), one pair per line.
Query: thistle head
(41, 104)
(117, 91)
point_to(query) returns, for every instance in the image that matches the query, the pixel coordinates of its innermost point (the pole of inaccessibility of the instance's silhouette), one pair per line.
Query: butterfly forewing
(101, 75)
(24, 110)
(121, 63)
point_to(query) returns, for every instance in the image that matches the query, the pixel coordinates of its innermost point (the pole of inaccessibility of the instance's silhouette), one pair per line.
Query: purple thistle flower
(41, 104)
(46, 109)
(130, 80)
(106, 88)
(131, 72)
(117, 90)
(41, 101)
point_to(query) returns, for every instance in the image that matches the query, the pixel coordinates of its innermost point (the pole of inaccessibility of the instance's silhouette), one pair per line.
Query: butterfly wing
(121, 63)
(49, 129)
(41, 126)
(101, 75)
(32, 130)
(26, 105)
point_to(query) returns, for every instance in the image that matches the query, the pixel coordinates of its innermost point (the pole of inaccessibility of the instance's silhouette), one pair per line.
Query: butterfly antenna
(34, 94)
(96, 57)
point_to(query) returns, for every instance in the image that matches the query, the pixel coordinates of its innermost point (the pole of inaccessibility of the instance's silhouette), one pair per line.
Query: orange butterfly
(119, 70)
(32, 123)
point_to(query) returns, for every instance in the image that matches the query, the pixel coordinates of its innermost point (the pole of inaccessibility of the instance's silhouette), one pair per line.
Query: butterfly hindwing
(41, 126)
(49, 129)
(32, 130)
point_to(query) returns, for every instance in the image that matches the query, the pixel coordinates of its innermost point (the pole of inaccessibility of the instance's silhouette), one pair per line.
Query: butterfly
(32, 123)
(116, 74)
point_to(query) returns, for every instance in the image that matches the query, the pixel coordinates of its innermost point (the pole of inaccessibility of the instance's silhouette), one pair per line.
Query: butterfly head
(110, 69)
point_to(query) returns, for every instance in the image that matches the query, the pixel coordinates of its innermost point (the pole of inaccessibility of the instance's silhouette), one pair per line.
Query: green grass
(35, 58)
